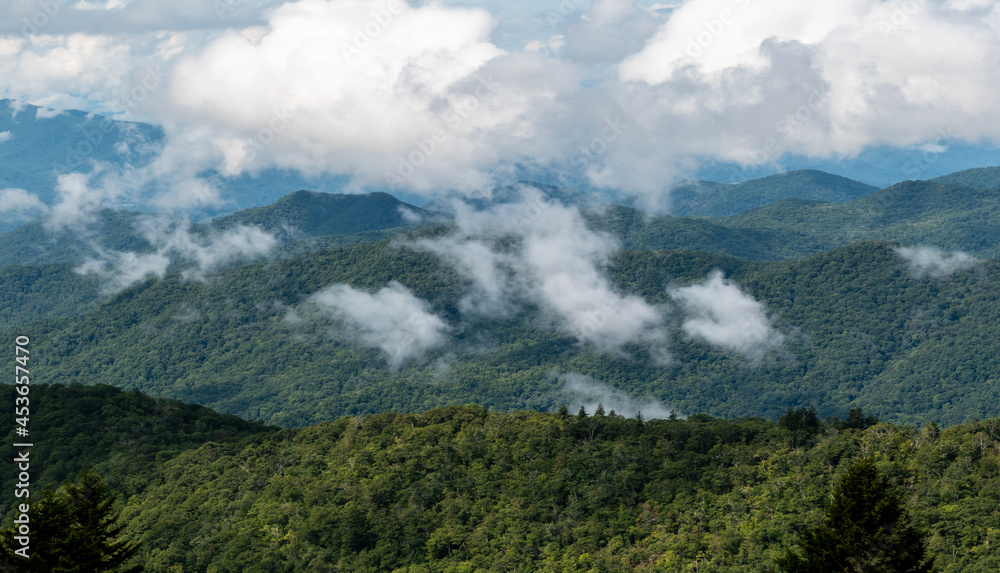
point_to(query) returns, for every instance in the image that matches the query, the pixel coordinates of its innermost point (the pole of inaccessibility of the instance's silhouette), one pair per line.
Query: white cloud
(392, 319)
(555, 262)
(423, 93)
(889, 71)
(343, 87)
(21, 204)
(78, 201)
(933, 262)
(722, 315)
(46, 113)
(611, 30)
(5, 136)
(120, 270)
(211, 250)
(173, 240)
(492, 287)
(587, 392)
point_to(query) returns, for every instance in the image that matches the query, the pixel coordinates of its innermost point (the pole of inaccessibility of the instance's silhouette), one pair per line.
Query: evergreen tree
(73, 530)
(802, 423)
(865, 530)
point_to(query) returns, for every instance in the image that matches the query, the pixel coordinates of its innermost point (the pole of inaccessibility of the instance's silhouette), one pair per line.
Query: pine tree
(866, 530)
(73, 530)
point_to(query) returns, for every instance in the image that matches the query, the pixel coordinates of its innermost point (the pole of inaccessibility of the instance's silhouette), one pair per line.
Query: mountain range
(857, 299)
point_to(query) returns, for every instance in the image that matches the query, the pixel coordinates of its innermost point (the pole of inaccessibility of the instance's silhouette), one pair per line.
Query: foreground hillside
(859, 330)
(464, 489)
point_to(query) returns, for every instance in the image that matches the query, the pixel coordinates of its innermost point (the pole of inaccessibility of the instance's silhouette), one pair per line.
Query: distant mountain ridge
(712, 199)
(315, 214)
(981, 177)
(953, 217)
(302, 214)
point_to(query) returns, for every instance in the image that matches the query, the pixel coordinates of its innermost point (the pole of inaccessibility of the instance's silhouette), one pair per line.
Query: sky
(432, 97)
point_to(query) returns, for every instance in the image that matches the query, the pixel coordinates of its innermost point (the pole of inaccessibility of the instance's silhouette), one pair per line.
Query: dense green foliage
(464, 489)
(73, 530)
(860, 332)
(29, 293)
(123, 435)
(712, 199)
(866, 530)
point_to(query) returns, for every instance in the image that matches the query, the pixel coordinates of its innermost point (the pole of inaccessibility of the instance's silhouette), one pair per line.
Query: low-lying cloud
(20, 204)
(173, 241)
(719, 313)
(120, 270)
(933, 262)
(392, 319)
(541, 252)
(584, 391)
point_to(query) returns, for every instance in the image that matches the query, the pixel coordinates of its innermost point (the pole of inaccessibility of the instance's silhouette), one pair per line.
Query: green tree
(865, 530)
(802, 423)
(73, 530)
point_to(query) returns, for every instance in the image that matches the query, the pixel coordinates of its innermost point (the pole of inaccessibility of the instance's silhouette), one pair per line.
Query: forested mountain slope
(859, 330)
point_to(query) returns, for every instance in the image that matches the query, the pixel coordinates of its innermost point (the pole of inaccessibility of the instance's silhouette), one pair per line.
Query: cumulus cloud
(933, 262)
(5, 136)
(586, 392)
(392, 319)
(719, 313)
(877, 77)
(542, 252)
(421, 97)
